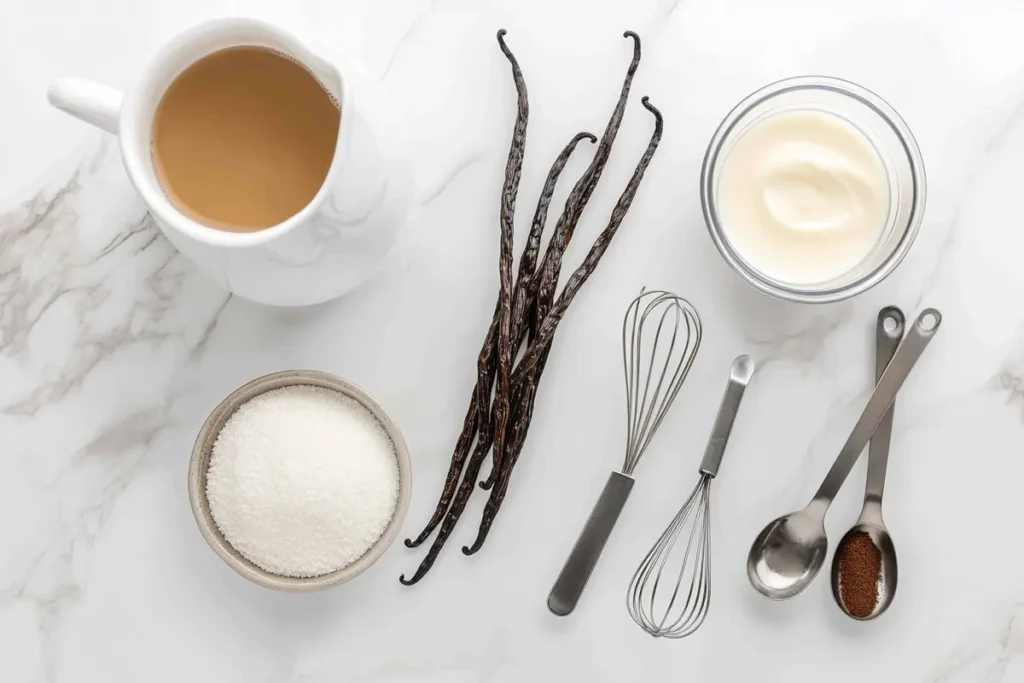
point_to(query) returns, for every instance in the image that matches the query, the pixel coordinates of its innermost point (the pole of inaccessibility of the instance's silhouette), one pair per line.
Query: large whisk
(661, 334)
(670, 593)
(668, 359)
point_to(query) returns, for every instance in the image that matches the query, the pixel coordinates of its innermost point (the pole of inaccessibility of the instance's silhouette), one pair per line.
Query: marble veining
(113, 349)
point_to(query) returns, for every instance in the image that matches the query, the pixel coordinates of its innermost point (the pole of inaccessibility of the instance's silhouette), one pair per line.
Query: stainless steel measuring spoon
(789, 552)
(891, 325)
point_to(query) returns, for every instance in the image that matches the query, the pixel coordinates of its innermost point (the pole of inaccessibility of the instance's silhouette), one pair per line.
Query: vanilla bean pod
(458, 505)
(551, 265)
(477, 420)
(529, 369)
(547, 328)
(528, 260)
(479, 406)
(513, 173)
(503, 314)
(526, 394)
(584, 188)
(528, 301)
(525, 290)
(508, 315)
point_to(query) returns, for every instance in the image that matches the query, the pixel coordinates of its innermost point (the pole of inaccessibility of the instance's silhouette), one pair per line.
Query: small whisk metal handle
(739, 376)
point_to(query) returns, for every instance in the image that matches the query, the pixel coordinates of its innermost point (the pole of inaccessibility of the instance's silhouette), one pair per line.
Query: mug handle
(92, 102)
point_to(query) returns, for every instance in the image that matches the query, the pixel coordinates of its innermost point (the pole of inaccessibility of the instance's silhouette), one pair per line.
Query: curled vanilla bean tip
(590, 137)
(418, 541)
(501, 41)
(646, 101)
(636, 51)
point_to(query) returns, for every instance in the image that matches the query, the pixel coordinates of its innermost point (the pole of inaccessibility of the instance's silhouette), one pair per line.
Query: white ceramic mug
(323, 251)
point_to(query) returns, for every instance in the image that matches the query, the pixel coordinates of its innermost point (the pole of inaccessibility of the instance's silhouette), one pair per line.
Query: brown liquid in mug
(243, 139)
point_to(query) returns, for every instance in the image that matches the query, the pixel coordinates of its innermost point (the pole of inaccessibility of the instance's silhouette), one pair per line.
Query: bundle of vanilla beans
(527, 313)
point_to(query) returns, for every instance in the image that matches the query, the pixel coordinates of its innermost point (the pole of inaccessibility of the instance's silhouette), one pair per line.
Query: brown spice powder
(860, 567)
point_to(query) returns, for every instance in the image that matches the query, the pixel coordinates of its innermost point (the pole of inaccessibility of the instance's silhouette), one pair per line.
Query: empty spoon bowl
(787, 554)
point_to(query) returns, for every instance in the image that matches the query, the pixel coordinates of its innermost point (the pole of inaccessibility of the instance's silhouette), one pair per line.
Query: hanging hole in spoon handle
(891, 324)
(929, 320)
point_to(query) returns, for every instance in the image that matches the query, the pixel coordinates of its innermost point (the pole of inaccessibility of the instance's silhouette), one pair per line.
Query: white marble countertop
(113, 349)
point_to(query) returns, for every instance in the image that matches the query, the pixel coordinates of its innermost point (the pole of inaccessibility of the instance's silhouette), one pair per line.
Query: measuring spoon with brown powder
(864, 566)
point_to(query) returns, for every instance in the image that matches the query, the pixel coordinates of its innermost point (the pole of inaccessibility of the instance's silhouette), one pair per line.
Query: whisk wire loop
(670, 592)
(654, 374)
(689, 589)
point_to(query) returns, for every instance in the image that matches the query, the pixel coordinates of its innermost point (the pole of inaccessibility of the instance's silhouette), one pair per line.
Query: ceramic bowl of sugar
(299, 480)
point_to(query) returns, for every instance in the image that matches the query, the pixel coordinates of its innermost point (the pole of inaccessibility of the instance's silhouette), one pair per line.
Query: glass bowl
(896, 148)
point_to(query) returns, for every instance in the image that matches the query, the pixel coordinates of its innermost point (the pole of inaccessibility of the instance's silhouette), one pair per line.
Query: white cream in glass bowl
(813, 189)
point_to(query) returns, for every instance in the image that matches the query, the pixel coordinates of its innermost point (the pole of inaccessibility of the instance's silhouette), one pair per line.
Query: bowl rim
(199, 464)
(856, 92)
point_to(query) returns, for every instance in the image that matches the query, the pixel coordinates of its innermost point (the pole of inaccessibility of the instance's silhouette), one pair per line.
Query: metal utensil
(655, 368)
(675, 611)
(789, 552)
(870, 521)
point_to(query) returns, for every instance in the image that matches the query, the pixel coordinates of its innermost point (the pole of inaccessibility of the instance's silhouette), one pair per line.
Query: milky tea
(243, 139)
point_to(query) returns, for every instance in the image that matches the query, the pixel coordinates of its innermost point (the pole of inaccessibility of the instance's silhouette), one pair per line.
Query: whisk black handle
(577, 569)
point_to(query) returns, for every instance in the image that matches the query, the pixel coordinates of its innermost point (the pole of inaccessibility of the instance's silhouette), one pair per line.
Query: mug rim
(153, 195)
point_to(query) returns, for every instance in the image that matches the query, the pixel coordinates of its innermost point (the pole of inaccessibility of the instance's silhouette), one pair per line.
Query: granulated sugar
(302, 480)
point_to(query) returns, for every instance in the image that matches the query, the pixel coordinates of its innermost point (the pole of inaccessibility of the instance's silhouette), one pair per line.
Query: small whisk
(670, 593)
(661, 334)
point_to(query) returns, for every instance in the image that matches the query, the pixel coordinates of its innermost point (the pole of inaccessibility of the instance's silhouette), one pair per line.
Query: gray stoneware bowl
(201, 459)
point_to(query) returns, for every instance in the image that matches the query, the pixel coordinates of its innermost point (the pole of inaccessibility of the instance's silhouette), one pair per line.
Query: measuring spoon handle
(886, 343)
(911, 348)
